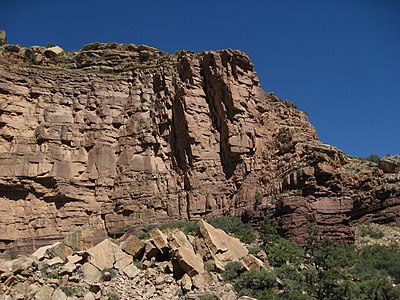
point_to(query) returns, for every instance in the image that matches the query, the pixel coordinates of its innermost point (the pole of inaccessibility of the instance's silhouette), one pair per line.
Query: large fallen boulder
(390, 164)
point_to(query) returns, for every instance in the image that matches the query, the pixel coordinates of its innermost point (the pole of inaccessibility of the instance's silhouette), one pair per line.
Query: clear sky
(337, 60)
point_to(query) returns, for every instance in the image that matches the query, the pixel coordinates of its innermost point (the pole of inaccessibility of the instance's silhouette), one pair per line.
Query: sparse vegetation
(113, 296)
(68, 290)
(258, 198)
(322, 270)
(188, 227)
(232, 270)
(372, 158)
(368, 230)
(12, 255)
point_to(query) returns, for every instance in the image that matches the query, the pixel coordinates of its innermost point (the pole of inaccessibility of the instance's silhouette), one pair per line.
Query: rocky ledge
(123, 137)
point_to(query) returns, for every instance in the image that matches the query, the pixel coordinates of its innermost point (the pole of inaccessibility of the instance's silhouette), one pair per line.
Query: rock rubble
(107, 270)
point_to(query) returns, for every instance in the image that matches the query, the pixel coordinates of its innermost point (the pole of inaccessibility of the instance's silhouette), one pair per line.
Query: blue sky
(337, 60)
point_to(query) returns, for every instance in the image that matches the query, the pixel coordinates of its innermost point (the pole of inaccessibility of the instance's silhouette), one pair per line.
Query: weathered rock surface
(120, 137)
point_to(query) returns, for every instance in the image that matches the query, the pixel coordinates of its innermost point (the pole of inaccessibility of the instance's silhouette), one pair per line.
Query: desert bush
(253, 282)
(188, 227)
(232, 270)
(368, 230)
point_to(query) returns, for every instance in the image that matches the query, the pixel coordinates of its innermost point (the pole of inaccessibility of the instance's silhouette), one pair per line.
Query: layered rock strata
(122, 137)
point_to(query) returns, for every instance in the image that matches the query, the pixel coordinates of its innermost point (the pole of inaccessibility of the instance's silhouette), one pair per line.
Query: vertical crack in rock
(221, 109)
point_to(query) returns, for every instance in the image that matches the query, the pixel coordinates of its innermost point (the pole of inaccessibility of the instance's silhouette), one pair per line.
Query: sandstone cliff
(121, 137)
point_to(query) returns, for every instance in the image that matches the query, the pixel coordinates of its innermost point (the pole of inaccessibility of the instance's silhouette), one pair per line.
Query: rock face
(121, 137)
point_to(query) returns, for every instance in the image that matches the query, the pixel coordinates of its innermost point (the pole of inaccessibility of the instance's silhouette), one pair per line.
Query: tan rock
(21, 264)
(58, 295)
(178, 239)
(91, 273)
(122, 260)
(150, 250)
(223, 247)
(68, 268)
(131, 271)
(190, 262)
(89, 296)
(41, 253)
(54, 261)
(102, 255)
(160, 240)
(74, 258)
(186, 283)
(53, 51)
(390, 164)
(44, 293)
(133, 245)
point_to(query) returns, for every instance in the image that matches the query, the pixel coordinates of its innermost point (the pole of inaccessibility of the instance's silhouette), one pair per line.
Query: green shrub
(12, 255)
(372, 158)
(235, 226)
(258, 198)
(138, 264)
(368, 230)
(379, 260)
(252, 282)
(268, 231)
(68, 290)
(188, 227)
(232, 270)
(254, 250)
(281, 251)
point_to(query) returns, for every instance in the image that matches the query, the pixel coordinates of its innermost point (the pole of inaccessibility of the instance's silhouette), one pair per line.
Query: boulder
(68, 268)
(3, 35)
(21, 264)
(223, 247)
(251, 262)
(122, 260)
(44, 293)
(150, 250)
(186, 283)
(178, 239)
(131, 271)
(102, 255)
(390, 164)
(74, 258)
(160, 240)
(58, 295)
(54, 261)
(42, 253)
(133, 245)
(53, 51)
(91, 273)
(190, 262)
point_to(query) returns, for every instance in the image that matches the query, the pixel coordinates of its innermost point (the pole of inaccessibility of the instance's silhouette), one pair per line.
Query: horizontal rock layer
(122, 137)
